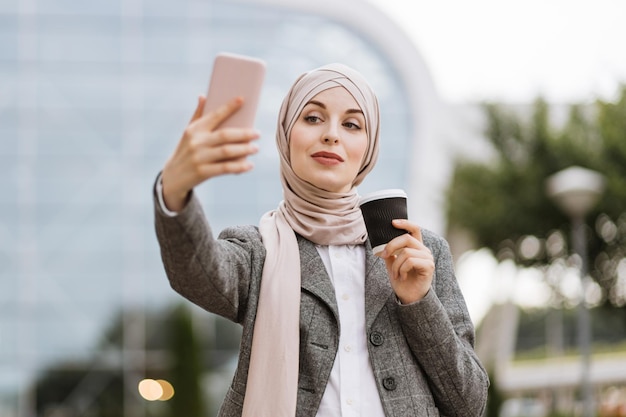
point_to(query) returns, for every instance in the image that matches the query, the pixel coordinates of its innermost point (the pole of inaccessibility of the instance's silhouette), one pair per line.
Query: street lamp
(576, 190)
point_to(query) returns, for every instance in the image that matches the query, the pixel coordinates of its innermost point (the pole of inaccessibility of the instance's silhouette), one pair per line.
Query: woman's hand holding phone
(218, 138)
(205, 151)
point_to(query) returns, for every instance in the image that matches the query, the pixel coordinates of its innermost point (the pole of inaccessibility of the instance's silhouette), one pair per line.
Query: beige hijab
(323, 217)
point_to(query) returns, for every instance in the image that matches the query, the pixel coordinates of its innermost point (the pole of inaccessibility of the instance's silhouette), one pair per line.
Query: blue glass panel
(87, 119)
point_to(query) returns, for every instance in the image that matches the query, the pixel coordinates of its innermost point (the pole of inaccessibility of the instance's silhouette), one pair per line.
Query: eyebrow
(322, 105)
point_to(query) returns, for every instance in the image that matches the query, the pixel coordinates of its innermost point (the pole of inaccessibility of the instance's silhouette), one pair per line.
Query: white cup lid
(377, 195)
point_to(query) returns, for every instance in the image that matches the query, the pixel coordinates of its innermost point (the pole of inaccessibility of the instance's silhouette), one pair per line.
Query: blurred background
(482, 103)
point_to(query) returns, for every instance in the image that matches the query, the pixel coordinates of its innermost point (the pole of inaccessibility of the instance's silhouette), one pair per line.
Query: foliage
(73, 391)
(97, 388)
(608, 331)
(186, 371)
(503, 201)
(495, 397)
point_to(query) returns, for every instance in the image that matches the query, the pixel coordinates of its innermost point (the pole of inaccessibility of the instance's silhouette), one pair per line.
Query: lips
(327, 157)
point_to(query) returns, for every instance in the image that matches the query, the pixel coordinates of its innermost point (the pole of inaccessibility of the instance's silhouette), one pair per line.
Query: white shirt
(351, 389)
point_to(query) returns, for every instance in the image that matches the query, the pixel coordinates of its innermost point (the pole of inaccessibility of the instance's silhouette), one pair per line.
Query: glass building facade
(93, 98)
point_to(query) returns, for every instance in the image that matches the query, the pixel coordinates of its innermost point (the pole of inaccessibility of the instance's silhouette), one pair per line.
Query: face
(328, 141)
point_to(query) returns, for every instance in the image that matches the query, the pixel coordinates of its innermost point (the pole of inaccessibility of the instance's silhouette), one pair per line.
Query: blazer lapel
(377, 286)
(314, 277)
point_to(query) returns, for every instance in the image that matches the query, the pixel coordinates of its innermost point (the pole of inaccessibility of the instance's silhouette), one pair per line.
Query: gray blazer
(422, 354)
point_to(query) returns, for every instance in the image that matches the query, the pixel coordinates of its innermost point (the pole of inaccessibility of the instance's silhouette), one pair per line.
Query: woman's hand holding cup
(409, 262)
(398, 241)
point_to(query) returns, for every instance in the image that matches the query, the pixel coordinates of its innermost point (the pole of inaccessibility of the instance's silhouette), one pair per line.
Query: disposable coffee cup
(379, 209)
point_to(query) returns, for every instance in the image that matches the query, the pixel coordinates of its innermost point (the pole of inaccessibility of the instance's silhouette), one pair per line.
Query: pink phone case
(236, 76)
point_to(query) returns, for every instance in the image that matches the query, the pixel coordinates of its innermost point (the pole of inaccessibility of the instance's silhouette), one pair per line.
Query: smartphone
(236, 76)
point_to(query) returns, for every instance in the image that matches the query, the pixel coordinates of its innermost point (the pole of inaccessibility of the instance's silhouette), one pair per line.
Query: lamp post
(576, 190)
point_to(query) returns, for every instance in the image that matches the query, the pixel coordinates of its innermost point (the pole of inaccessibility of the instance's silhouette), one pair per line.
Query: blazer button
(389, 383)
(377, 338)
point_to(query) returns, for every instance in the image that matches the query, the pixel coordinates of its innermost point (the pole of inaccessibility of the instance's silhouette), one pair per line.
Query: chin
(333, 188)
(328, 184)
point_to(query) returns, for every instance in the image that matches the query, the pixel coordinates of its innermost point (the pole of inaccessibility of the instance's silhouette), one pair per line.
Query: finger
(417, 234)
(233, 166)
(223, 145)
(413, 229)
(224, 153)
(199, 109)
(234, 135)
(223, 112)
(406, 240)
(423, 265)
(400, 261)
(410, 263)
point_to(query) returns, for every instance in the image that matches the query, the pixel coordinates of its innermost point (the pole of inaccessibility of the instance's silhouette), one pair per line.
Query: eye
(312, 119)
(352, 125)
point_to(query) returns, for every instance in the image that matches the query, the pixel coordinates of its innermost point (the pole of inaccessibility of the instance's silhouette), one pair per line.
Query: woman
(329, 329)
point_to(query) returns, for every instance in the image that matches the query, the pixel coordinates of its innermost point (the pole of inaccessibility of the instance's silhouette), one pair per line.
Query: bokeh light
(168, 390)
(150, 389)
(155, 390)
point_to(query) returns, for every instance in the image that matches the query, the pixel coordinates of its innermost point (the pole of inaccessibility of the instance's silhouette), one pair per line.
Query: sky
(512, 51)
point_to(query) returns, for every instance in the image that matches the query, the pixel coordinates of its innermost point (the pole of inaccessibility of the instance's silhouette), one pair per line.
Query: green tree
(502, 201)
(495, 397)
(83, 388)
(187, 369)
(72, 390)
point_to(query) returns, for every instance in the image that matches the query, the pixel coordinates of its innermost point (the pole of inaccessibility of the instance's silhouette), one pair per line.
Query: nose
(331, 135)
